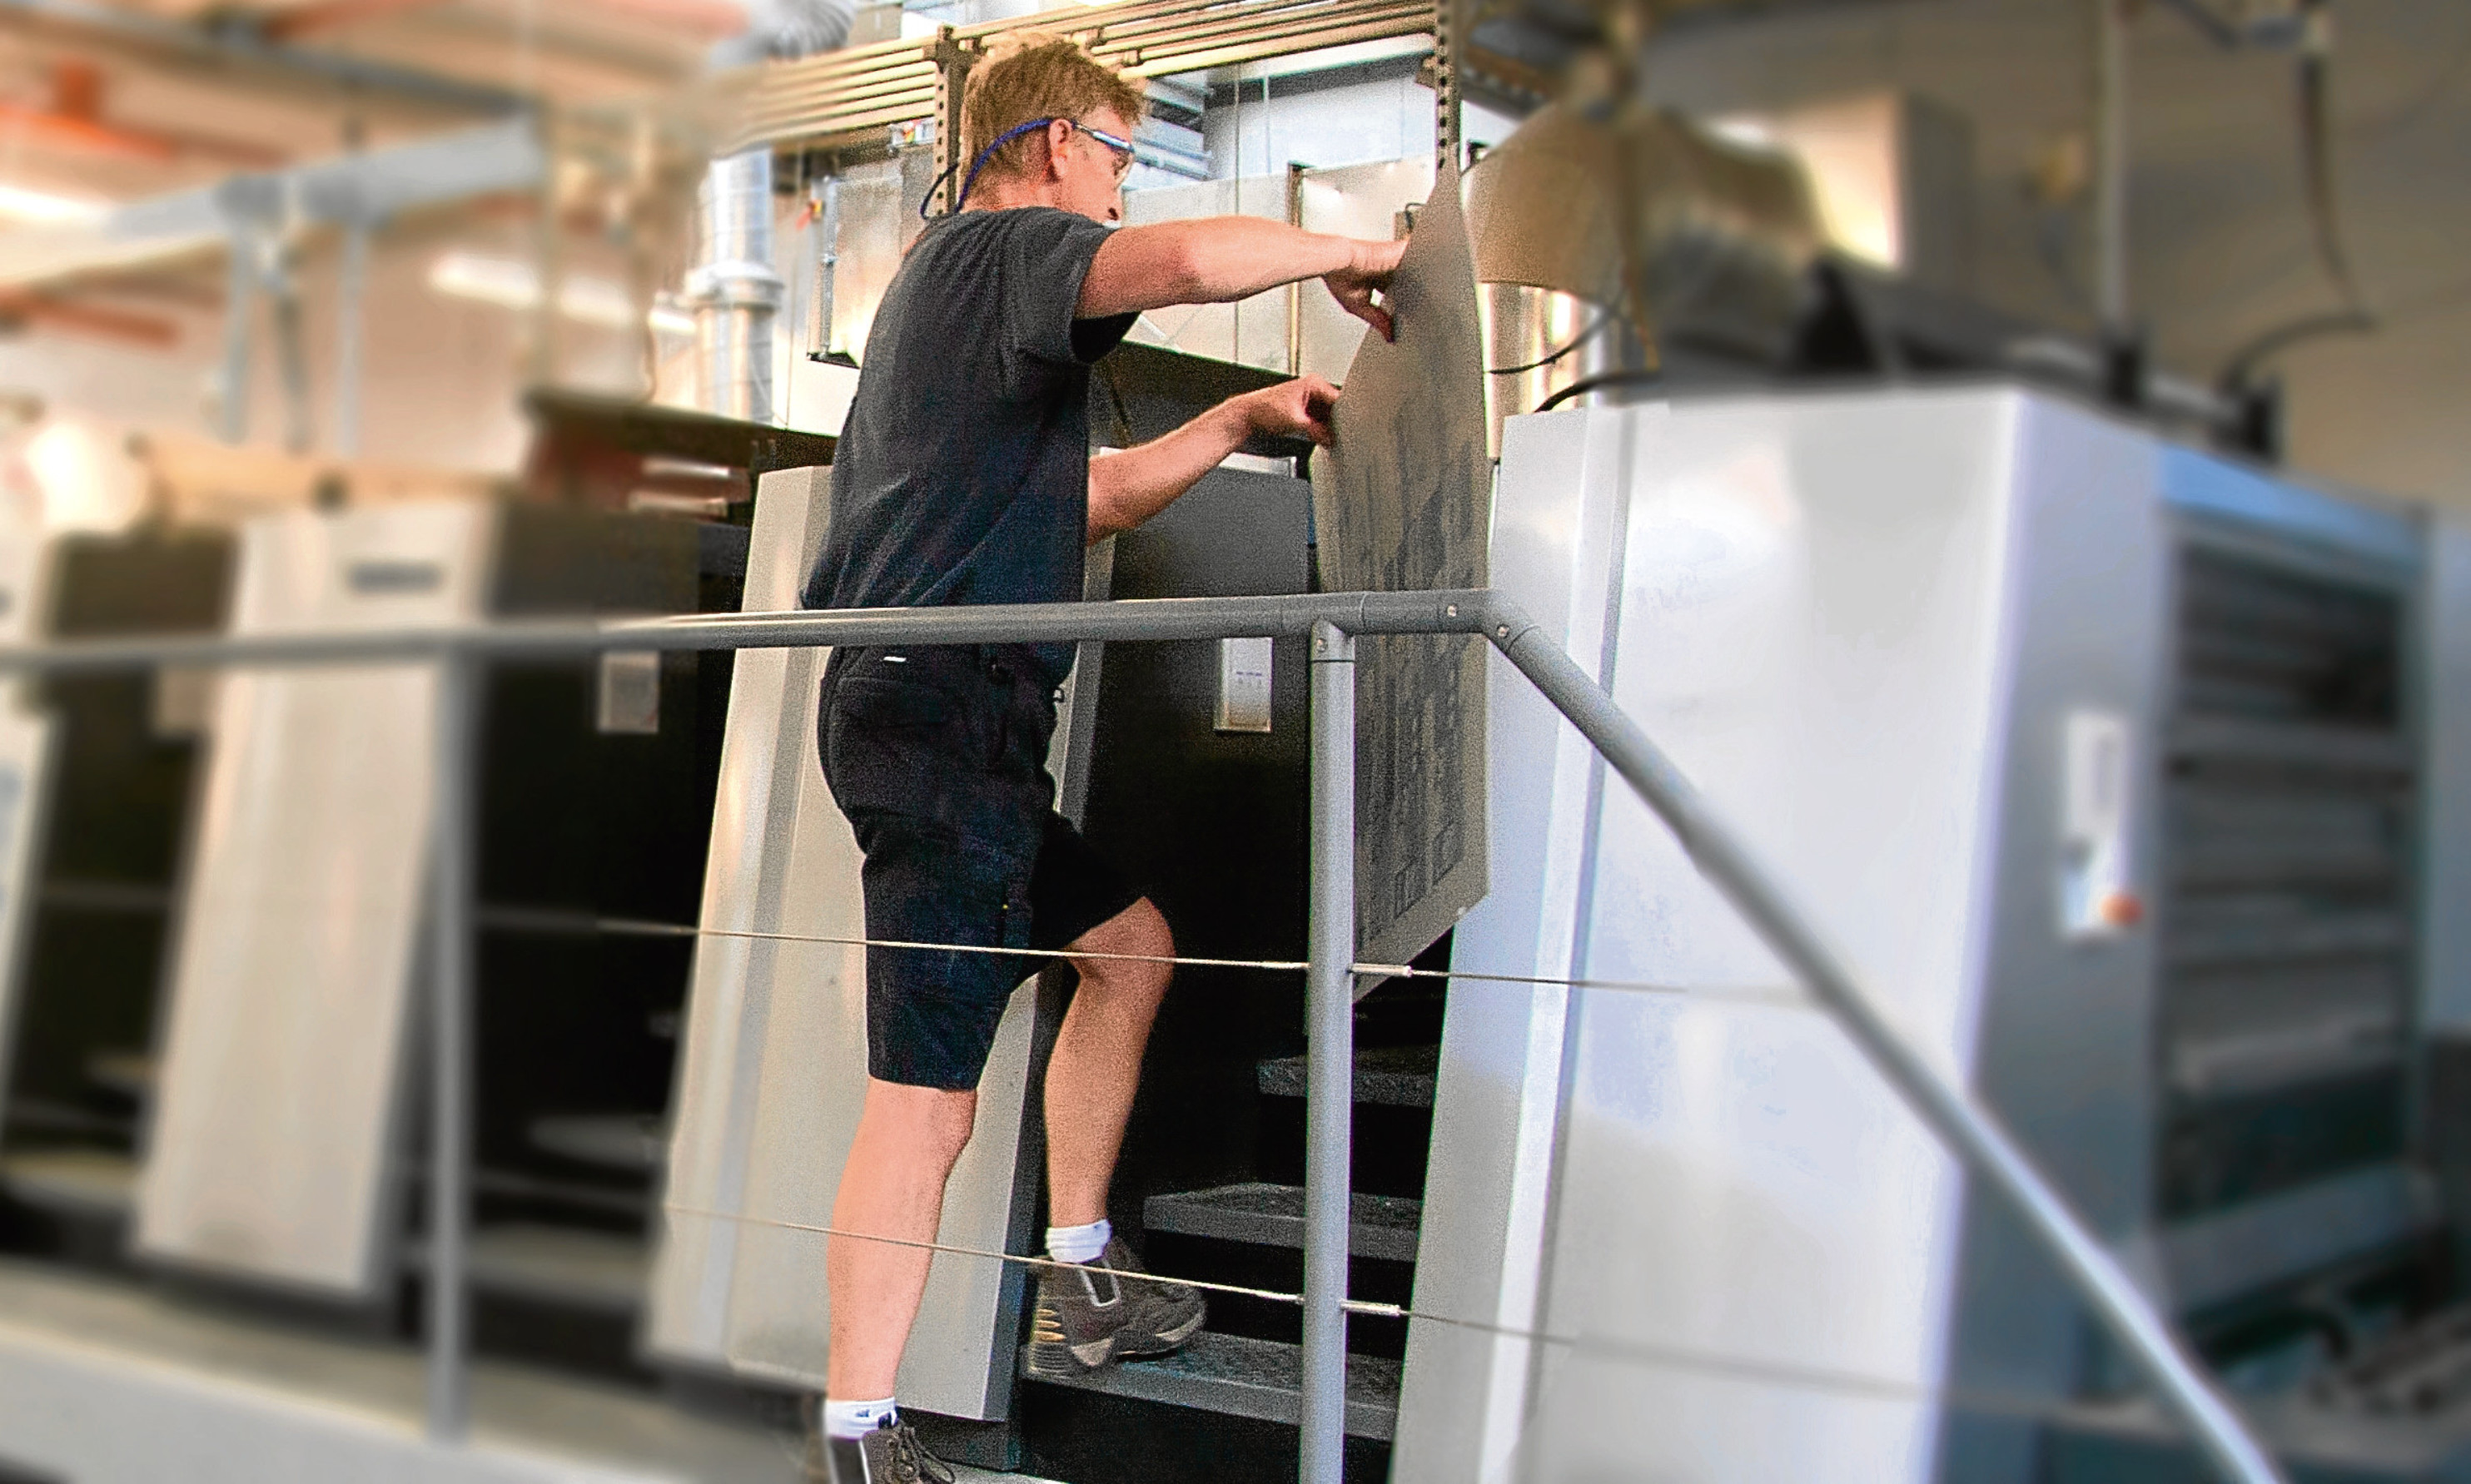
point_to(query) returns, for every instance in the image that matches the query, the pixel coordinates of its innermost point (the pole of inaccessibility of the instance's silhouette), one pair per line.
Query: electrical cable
(2317, 164)
(1602, 318)
(2354, 317)
(1598, 383)
(2241, 368)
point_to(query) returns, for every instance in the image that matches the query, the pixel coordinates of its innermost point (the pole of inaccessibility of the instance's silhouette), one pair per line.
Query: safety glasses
(1121, 148)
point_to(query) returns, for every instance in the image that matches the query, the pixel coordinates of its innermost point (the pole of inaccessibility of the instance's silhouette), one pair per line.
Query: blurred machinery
(108, 825)
(213, 1029)
(1602, 245)
(1626, 252)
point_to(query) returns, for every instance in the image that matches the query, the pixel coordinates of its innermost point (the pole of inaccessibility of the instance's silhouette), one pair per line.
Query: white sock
(857, 1418)
(1079, 1244)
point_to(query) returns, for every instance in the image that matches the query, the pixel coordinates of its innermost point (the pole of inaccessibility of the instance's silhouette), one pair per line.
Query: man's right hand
(1354, 284)
(1221, 260)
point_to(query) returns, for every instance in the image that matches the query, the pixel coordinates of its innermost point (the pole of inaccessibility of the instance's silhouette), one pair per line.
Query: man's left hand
(1291, 409)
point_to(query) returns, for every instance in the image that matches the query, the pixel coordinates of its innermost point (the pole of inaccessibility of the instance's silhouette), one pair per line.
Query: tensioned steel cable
(1639, 1353)
(543, 920)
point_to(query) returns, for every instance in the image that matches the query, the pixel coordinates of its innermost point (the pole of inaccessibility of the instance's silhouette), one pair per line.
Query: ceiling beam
(126, 327)
(332, 14)
(75, 124)
(703, 19)
(239, 44)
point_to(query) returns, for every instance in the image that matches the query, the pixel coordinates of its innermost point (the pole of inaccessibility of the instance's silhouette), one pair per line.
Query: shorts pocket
(869, 704)
(893, 745)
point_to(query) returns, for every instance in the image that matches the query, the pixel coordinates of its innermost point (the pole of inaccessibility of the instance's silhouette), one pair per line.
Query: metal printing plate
(1401, 503)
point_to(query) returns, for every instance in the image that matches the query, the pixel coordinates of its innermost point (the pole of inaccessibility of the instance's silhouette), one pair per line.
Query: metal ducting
(735, 291)
(1605, 244)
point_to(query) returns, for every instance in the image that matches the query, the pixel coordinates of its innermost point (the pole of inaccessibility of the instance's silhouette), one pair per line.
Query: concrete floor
(102, 1382)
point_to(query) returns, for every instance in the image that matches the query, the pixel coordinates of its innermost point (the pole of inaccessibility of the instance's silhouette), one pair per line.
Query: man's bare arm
(1129, 487)
(1218, 260)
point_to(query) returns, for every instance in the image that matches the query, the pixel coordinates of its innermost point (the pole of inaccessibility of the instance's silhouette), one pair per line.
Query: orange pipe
(149, 331)
(74, 123)
(293, 24)
(702, 17)
(64, 132)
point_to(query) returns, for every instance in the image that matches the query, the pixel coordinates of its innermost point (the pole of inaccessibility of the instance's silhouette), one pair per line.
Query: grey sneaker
(1087, 1318)
(890, 1455)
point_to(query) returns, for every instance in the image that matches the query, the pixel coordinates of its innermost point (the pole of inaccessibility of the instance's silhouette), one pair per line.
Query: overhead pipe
(74, 121)
(735, 291)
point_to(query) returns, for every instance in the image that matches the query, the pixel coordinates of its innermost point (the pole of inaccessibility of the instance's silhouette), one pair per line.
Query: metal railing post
(450, 1014)
(1330, 1030)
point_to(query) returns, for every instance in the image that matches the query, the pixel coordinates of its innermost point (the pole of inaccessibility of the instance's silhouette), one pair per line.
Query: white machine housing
(1918, 646)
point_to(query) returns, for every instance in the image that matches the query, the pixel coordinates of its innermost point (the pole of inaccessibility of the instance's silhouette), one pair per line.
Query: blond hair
(1030, 75)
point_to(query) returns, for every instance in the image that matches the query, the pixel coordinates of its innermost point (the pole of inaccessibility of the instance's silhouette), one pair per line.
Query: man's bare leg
(893, 1186)
(1097, 1064)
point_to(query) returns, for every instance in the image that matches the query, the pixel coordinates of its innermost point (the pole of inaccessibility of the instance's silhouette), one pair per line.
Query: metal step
(91, 1183)
(1245, 1377)
(612, 1141)
(1396, 1076)
(1273, 1216)
(130, 1074)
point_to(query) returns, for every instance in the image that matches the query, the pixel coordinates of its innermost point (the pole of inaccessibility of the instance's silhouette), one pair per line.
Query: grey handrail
(1971, 1130)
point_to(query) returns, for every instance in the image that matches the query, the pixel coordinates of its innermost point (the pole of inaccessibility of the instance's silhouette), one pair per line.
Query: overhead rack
(853, 98)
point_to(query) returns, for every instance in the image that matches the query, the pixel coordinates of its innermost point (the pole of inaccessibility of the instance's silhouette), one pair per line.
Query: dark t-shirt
(963, 471)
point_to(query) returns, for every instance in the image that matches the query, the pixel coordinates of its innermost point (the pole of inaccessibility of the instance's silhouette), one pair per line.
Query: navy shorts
(937, 754)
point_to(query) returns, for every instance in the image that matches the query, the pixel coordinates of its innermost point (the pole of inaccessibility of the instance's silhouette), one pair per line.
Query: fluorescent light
(24, 205)
(510, 282)
(86, 480)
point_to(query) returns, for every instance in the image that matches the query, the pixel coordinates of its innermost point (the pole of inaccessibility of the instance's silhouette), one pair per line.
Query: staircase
(1211, 825)
(1247, 1362)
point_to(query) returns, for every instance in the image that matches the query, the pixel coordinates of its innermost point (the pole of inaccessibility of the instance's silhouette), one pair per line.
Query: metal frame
(1449, 35)
(453, 877)
(1968, 1128)
(953, 59)
(850, 97)
(1329, 1057)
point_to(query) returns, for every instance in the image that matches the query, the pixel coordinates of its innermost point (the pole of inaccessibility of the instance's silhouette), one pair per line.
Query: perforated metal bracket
(953, 59)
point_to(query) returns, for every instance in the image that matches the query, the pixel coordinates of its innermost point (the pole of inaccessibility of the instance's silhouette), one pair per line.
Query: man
(964, 476)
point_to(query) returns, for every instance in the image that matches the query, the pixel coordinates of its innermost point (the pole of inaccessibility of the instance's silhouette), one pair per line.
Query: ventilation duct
(1590, 235)
(735, 291)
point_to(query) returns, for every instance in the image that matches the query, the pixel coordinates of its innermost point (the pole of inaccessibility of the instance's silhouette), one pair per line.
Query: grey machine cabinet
(2043, 720)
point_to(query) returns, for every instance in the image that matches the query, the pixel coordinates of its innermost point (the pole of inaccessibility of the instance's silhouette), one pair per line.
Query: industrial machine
(218, 1033)
(101, 832)
(183, 947)
(2108, 764)
(2098, 759)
